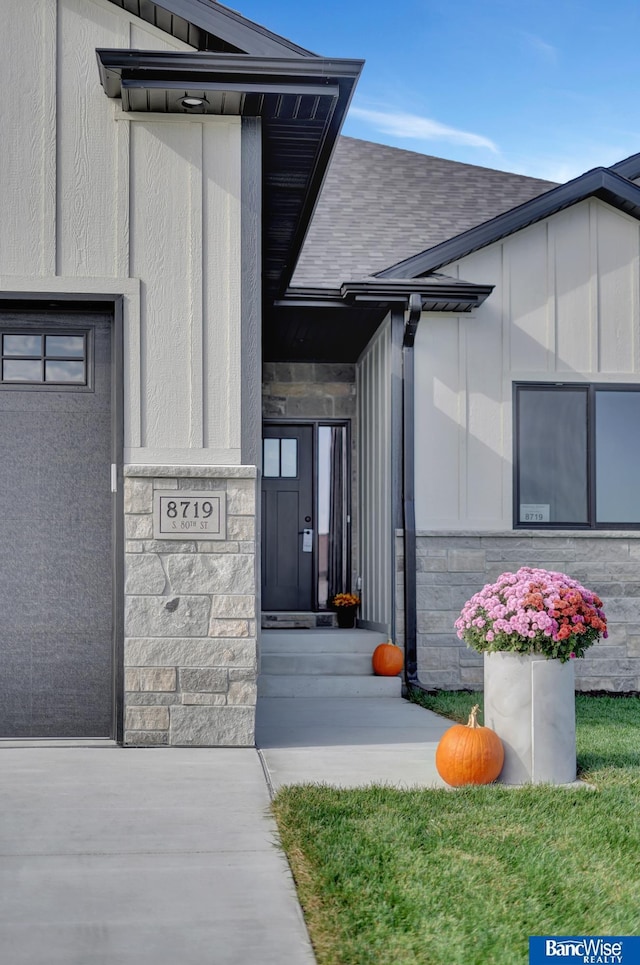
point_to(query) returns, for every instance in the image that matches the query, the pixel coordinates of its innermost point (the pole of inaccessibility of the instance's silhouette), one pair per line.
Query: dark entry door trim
(315, 424)
(114, 305)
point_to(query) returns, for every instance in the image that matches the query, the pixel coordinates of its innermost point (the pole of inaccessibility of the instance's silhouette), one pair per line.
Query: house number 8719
(189, 514)
(188, 507)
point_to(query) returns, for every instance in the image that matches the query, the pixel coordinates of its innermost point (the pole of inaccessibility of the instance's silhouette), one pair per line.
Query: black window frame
(590, 389)
(43, 330)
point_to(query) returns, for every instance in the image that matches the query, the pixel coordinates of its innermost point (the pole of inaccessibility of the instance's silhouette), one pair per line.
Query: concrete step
(320, 641)
(301, 620)
(321, 685)
(317, 662)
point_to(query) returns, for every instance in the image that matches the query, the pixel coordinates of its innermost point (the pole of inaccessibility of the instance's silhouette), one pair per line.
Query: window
(577, 456)
(44, 358)
(280, 458)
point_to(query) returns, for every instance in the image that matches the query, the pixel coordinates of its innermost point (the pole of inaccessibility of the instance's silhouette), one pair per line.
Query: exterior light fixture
(192, 101)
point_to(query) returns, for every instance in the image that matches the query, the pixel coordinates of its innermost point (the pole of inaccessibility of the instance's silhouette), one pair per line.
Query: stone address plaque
(189, 514)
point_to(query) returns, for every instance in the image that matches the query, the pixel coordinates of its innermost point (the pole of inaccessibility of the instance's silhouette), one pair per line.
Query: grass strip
(389, 877)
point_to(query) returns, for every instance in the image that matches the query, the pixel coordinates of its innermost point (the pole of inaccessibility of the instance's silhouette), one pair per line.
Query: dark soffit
(301, 103)
(335, 325)
(207, 25)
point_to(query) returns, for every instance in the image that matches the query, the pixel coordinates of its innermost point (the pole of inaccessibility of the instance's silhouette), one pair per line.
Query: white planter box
(529, 702)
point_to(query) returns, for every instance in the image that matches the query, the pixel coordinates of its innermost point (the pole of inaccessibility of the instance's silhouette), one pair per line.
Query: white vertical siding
(28, 148)
(162, 156)
(570, 237)
(93, 198)
(86, 177)
(373, 376)
(565, 307)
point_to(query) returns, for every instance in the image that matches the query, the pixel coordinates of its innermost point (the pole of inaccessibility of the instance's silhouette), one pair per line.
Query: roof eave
(198, 21)
(437, 295)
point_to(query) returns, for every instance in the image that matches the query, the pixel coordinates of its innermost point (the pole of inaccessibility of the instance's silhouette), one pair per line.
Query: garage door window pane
(22, 345)
(64, 372)
(552, 456)
(64, 346)
(22, 370)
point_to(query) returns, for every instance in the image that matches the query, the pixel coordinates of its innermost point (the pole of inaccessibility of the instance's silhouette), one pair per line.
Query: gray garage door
(56, 663)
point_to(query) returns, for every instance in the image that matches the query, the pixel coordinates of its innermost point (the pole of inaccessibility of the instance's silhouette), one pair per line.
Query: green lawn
(463, 877)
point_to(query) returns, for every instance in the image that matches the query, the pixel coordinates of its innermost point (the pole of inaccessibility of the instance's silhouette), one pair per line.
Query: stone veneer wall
(190, 657)
(311, 390)
(452, 567)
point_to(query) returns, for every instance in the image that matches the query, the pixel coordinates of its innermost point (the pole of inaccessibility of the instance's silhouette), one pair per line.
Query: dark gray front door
(287, 511)
(56, 661)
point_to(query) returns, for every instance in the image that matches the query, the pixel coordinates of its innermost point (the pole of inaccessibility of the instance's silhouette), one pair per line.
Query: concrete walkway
(349, 743)
(168, 856)
(165, 856)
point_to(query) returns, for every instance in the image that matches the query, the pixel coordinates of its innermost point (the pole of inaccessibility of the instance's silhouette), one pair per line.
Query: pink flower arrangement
(533, 611)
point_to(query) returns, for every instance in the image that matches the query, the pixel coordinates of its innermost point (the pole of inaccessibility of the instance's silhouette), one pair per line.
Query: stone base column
(190, 615)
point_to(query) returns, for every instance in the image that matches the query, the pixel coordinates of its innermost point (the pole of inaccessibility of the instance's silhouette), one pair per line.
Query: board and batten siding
(376, 562)
(565, 308)
(97, 200)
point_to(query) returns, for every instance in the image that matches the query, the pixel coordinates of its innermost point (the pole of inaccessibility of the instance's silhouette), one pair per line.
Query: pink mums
(533, 611)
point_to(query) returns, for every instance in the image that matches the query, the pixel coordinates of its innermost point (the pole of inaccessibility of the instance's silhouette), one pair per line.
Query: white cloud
(541, 46)
(410, 126)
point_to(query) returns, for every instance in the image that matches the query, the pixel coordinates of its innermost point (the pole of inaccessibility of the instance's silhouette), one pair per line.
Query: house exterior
(183, 224)
(133, 263)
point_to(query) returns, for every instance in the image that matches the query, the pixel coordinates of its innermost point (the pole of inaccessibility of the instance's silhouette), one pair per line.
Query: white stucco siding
(565, 308)
(93, 198)
(373, 377)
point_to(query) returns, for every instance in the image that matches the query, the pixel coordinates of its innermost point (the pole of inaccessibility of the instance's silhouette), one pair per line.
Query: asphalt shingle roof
(380, 205)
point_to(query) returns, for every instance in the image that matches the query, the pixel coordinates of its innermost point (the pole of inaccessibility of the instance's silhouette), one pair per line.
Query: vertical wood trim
(123, 200)
(396, 436)
(463, 418)
(49, 42)
(196, 361)
(507, 310)
(635, 315)
(506, 422)
(250, 290)
(552, 295)
(549, 289)
(132, 363)
(387, 534)
(594, 291)
(375, 479)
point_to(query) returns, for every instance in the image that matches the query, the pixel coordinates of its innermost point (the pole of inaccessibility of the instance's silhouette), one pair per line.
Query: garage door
(56, 649)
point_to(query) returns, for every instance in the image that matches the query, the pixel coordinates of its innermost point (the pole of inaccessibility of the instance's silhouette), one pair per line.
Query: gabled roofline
(601, 183)
(628, 168)
(202, 23)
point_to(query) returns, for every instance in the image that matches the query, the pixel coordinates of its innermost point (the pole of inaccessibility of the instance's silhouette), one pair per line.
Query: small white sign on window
(534, 512)
(189, 514)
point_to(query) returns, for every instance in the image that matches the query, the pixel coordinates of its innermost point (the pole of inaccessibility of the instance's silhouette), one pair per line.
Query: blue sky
(543, 88)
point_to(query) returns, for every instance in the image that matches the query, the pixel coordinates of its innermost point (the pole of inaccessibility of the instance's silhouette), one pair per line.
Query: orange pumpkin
(387, 660)
(469, 754)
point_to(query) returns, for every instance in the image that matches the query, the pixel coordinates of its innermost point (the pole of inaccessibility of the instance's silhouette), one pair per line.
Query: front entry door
(56, 599)
(288, 537)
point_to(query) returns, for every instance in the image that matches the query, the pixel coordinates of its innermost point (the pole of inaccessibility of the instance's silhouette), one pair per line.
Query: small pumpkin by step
(387, 660)
(469, 753)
